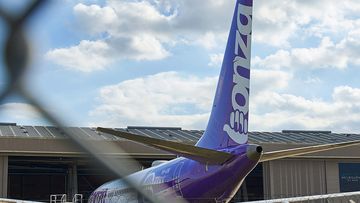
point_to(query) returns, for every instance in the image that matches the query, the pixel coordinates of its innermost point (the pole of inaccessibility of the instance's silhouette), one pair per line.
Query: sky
(121, 63)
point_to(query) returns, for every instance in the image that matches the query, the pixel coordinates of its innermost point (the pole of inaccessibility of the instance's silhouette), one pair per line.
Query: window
(349, 177)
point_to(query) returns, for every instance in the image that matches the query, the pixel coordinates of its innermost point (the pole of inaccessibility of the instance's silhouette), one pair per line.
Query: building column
(332, 176)
(267, 181)
(72, 186)
(3, 176)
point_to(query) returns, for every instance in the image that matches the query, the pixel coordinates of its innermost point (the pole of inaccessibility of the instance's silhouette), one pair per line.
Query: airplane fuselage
(186, 178)
(193, 178)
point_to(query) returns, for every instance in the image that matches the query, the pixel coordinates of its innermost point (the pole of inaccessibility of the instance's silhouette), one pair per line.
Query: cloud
(269, 80)
(313, 80)
(91, 56)
(263, 83)
(216, 60)
(170, 98)
(346, 95)
(208, 40)
(163, 99)
(142, 30)
(327, 55)
(94, 18)
(276, 23)
(86, 57)
(20, 113)
(146, 30)
(286, 111)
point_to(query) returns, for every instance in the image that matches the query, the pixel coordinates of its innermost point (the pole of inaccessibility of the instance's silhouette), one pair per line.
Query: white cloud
(147, 48)
(286, 111)
(20, 113)
(268, 80)
(164, 99)
(313, 80)
(326, 55)
(216, 60)
(90, 56)
(172, 99)
(97, 18)
(147, 30)
(208, 40)
(264, 84)
(144, 30)
(346, 94)
(169, 98)
(86, 57)
(141, 30)
(276, 23)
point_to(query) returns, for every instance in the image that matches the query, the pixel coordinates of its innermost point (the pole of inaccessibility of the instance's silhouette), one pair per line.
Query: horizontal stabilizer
(200, 154)
(268, 156)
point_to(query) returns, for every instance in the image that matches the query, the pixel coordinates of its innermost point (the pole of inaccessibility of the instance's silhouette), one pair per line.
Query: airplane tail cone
(254, 152)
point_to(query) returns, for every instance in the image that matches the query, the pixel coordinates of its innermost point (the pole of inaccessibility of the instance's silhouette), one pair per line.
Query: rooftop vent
(306, 131)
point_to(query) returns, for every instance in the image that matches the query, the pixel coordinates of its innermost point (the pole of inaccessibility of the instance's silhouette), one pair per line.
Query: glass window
(349, 176)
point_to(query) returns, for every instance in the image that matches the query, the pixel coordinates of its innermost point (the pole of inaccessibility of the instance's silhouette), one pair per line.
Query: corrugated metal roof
(177, 134)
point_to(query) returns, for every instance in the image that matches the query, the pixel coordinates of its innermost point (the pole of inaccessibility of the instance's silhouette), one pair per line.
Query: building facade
(36, 161)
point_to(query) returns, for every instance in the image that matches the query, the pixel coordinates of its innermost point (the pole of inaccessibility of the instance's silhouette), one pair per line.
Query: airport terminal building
(36, 161)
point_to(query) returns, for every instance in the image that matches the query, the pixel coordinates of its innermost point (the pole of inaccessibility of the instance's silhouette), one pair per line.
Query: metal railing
(4, 200)
(16, 57)
(78, 198)
(58, 198)
(348, 197)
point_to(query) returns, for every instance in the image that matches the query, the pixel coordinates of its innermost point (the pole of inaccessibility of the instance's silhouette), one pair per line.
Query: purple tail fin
(228, 124)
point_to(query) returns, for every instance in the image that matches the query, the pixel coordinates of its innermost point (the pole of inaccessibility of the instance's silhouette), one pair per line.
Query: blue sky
(156, 63)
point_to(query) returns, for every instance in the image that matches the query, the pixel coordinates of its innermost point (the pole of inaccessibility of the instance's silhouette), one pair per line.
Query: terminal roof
(176, 134)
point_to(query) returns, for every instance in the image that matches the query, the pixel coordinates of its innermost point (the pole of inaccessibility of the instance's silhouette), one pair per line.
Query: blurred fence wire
(16, 57)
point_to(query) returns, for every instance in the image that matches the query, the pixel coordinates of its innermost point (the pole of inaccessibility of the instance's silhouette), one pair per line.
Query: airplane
(214, 169)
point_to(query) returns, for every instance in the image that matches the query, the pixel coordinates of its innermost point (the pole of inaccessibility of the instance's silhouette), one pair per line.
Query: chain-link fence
(16, 58)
